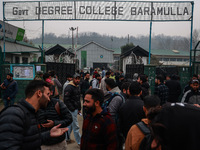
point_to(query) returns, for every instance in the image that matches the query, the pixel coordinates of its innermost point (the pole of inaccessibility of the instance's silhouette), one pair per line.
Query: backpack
(146, 142)
(107, 102)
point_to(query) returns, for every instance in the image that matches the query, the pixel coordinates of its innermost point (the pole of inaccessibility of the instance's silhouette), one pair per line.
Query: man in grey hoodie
(114, 106)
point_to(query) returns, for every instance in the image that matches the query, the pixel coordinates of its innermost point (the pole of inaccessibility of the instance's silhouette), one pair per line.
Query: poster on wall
(23, 72)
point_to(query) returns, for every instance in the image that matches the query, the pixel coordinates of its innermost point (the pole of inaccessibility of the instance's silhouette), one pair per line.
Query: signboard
(12, 31)
(99, 10)
(23, 72)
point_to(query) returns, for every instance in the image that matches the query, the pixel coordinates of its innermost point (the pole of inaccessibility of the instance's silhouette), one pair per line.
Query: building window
(24, 60)
(165, 59)
(186, 59)
(179, 59)
(172, 59)
(17, 60)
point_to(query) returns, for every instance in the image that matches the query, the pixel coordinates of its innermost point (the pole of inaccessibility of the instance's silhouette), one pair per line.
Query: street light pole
(72, 29)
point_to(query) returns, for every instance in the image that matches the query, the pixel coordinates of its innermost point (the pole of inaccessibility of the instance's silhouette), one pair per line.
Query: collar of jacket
(72, 83)
(116, 89)
(102, 114)
(27, 105)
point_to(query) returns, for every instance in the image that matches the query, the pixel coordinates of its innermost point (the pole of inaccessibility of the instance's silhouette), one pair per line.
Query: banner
(99, 10)
(11, 31)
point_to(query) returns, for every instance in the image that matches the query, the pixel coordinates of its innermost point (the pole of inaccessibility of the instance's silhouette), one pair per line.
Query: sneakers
(70, 141)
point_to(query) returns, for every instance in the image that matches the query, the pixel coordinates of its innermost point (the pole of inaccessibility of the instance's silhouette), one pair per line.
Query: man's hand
(49, 124)
(56, 131)
(3, 86)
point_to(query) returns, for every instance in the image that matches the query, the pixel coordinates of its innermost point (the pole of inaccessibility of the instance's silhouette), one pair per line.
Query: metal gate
(61, 69)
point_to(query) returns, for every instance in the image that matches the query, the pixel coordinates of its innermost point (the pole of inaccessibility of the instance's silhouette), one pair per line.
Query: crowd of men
(118, 113)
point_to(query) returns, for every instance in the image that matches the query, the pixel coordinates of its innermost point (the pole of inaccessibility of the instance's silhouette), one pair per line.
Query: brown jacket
(135, 137)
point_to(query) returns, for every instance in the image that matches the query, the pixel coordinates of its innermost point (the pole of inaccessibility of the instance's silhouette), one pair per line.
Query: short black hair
(52, 73)
(97, 75)
(121, 76)
(107, 73)
(97, 95)
(110, 82)
(143, 78)
(46, 75)
(160, 77)
(35, 85)
(135, 88)
(69, 75)
(195, 75)
(10, 74)
(125, 86)
(151, 101)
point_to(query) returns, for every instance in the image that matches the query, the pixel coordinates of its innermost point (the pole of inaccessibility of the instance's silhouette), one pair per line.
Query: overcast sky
(117, 28)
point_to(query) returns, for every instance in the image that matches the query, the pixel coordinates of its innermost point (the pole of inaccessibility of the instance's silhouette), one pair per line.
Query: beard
(43, 101)
(90, 110)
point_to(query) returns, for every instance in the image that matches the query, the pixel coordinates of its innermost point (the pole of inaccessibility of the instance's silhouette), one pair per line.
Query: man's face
(89, 104)
(98, 78)
(156, 81)
(195, 86)
(120, 79)
(76, 81)
(8, 77)
(45, 98)
(87, 76)
(126, 92)
(108, 76)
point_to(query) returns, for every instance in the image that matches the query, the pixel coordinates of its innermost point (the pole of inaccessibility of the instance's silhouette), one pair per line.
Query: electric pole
(72, 29)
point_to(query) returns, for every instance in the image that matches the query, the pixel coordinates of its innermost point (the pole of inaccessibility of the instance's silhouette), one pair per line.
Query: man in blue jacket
(10, 88)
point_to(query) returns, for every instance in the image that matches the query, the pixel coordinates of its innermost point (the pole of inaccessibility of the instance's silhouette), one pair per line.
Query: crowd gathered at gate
(118, 112)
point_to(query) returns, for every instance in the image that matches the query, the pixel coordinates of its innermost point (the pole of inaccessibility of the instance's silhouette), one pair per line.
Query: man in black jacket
(72, 101)
(19, 125)
(55, 113)
(85, 85)
(174, 87)
(131, 112)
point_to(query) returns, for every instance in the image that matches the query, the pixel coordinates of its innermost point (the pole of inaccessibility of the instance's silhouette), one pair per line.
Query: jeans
(75, 127)
(8, 102)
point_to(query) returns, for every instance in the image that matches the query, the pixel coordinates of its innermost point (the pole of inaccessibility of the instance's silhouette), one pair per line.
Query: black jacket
(174, 87)
(19, 128)
(85, 86)
(131, 112)
(57, 111)
(11, 89)
(72, 97)
(145, 90)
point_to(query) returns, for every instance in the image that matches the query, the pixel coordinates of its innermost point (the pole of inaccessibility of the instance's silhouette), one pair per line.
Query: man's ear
(39, 93)
(97, 103)
(128, 91)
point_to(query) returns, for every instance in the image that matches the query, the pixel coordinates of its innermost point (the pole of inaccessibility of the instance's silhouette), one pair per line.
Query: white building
(172, 57)
(94, 55)
(136, 55)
